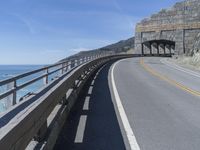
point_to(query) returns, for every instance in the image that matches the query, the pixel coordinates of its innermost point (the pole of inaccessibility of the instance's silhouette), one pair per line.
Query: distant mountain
(119, 47)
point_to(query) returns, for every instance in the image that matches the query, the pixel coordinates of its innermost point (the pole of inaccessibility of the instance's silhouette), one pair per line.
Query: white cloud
(76, 50)
(27, 22)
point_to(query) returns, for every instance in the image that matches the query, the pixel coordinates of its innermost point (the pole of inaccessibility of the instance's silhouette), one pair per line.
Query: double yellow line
(173, 82)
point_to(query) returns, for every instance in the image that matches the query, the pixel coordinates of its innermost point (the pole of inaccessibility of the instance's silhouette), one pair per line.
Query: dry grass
(190, 61)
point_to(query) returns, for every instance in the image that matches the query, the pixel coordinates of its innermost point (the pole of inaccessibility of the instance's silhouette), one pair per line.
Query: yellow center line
(171, 81)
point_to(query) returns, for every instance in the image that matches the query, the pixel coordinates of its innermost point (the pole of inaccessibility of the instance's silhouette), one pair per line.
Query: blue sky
(45, 31)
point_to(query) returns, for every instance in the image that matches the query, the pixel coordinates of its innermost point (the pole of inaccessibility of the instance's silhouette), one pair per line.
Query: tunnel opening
(158, 48)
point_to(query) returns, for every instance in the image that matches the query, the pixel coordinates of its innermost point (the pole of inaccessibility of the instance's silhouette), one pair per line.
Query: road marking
(92, 82)
(83, 119)
(129, 132)
(90, 90)
(86, 104)
(171, 81)
(81, 129)
(180, 68)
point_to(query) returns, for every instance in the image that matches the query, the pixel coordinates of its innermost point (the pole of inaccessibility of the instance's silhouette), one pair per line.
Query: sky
(45, 31)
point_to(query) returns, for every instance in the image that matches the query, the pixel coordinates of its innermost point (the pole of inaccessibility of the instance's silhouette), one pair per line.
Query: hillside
(119, 47)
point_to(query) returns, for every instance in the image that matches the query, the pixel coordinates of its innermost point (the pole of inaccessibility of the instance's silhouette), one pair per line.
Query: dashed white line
(86, 104)
(90, 90)
(83, 119)
(92, 82)
(80, 129)
(129, 132)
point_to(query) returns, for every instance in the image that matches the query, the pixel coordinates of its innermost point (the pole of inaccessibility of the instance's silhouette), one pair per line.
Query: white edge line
(180, 68)
(129, 132)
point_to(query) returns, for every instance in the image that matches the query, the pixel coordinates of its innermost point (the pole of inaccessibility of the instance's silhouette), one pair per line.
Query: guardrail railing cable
(11, 86)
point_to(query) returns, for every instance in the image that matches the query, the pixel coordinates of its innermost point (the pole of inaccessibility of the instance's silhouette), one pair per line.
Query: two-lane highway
(161, 103)
(137, 104)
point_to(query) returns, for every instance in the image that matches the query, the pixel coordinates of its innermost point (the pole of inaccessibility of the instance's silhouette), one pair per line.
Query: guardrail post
(14, 93)
(62, 66)
(45, 80)
(12, 99)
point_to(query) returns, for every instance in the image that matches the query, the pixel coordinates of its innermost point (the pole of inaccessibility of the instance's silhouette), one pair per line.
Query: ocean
(9, 71)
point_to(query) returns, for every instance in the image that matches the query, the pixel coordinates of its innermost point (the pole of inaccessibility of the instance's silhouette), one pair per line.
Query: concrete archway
(158, 47)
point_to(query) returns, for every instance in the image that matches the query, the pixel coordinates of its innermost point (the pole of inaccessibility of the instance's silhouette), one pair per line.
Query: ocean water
(9, 71)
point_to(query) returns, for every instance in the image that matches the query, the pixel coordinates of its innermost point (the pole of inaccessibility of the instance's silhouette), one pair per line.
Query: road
(138, 103)
(93, 123)
(162, 113)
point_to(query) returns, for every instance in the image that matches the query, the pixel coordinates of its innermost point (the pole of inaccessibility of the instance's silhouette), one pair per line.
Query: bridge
(112, 101)
(35, 120)
(104, 101)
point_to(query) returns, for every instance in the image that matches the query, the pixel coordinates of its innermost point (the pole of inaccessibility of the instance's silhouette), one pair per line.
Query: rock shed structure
(173, 30)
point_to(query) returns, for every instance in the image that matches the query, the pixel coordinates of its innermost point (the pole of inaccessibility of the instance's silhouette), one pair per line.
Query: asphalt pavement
(163, 116)
(161, 103)
(93, 123)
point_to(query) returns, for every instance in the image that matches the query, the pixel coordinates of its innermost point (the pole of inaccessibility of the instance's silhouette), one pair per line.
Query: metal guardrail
(39, 119)
(12, 85)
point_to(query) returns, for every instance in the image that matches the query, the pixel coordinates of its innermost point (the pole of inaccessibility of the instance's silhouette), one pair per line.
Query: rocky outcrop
(196, 47)
(180, 23)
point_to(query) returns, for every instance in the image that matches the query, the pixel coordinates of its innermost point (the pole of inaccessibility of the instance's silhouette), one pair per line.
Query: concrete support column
(151, 48)
(148, 48)
(157, 49)
(167, 49)
(138, 43)
(170, 50)
(142, 50)
(161, 48)
(164, 49)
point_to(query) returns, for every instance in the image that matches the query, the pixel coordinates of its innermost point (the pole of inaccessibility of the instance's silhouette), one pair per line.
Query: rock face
(196, 46)
(180, 24)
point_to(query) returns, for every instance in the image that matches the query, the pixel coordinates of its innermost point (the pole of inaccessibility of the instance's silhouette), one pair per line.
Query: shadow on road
(100, 127)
